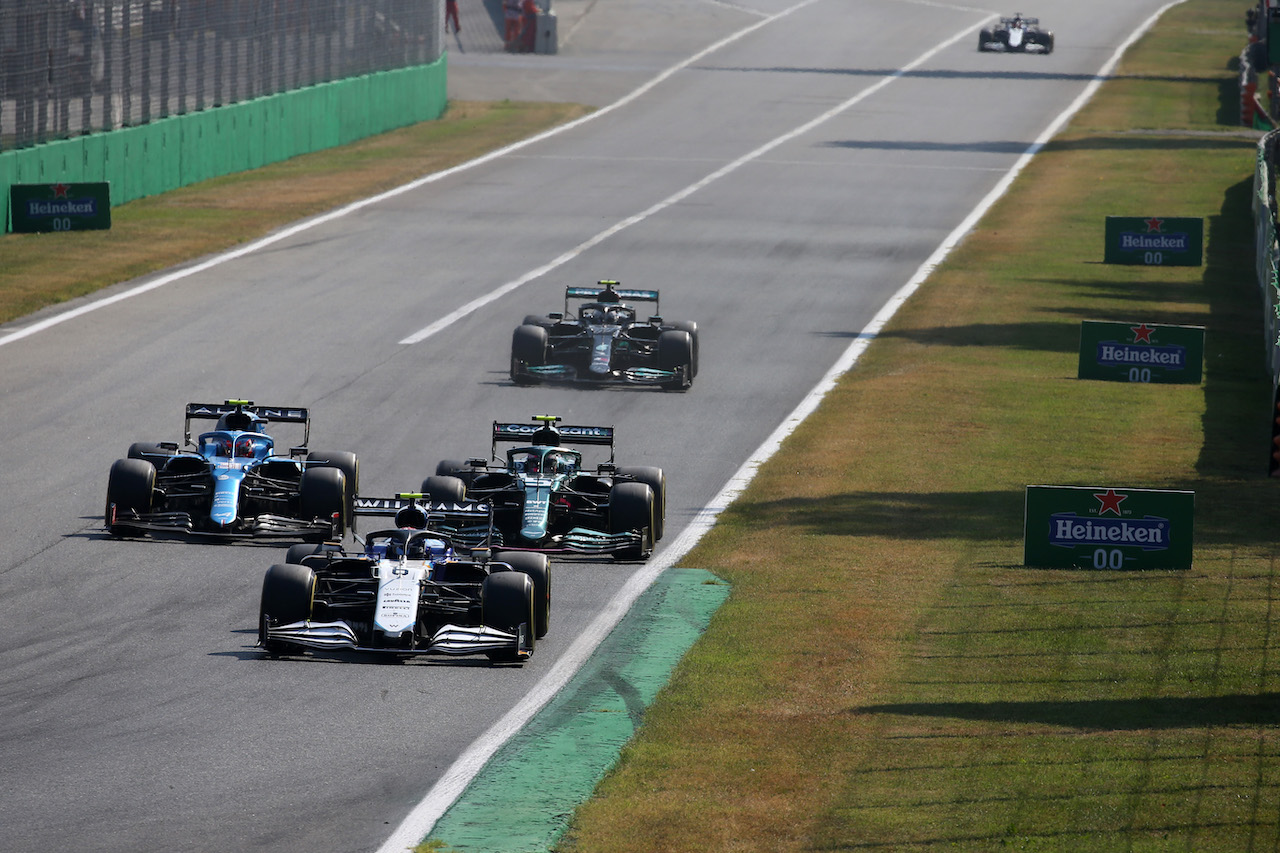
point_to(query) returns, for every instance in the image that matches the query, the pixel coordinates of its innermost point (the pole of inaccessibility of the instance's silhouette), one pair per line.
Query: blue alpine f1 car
(410, 590)
(231, 483)
(545, 499)
(605, 341)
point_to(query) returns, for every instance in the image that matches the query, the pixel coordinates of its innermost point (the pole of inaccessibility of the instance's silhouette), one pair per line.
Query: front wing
(448, 640)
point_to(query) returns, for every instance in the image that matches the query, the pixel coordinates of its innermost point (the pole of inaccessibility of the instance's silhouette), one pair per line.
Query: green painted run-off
(523, 798)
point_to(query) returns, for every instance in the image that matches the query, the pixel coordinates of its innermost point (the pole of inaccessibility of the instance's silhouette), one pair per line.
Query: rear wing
(1031, 21)
(279, 414)
(467, 521)
(591, 294)
(546, 432)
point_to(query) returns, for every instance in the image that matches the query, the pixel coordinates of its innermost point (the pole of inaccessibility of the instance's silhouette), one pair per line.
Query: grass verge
(150, 234)
(886, 674)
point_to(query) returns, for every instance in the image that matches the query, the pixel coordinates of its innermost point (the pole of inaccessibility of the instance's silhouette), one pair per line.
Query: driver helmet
(393, 550)
(532, 464)
(244, 446)
(225, 447)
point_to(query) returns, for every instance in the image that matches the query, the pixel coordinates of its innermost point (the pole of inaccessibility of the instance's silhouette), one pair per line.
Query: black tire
(537, 320)
(439, 488)
(349, 465)
(506, 602)
(1047, 41)
(130, 486)
(450, 467)
(147, 450)
(528, 347)
(631, 508)
(288, 592)
(692, 328)
(657, 482)
(323, 494)
(984, 38)
(675, 351)
(537, 567)
(296, 553)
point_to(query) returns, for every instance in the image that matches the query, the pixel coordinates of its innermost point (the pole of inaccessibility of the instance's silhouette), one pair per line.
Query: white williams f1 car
(409, 591)
(1016, 34)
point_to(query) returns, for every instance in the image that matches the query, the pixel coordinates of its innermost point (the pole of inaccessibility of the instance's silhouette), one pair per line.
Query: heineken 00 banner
(1155, 241)
(1107, 528)
(59, 207)
(1141, 352)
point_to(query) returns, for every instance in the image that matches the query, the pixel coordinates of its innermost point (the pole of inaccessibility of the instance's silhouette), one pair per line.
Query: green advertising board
(1141, 352)
(37, 208)
(1107, 528)
(1155, 241)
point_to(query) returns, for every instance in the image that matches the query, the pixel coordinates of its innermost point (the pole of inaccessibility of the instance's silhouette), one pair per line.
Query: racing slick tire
(1047, 41)
(985, 38)
(322, 493)
(537, 320)
(349, 465)
(631, 507)
(147, 450)
(297, 553)
(528, 347)
(506, 603)
(450, 467)
(657, 481)
(537, 567)
(439, 488)
(130, 486)
(288, 592)
(675, 350)
(692, 328)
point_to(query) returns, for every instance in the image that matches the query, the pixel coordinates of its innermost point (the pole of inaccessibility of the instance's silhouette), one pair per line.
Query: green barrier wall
(181, 150)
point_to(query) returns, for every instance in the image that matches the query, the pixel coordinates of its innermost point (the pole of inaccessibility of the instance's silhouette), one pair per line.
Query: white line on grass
(454, 781)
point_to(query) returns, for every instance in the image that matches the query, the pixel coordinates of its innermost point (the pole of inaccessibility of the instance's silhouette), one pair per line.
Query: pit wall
(181, 150)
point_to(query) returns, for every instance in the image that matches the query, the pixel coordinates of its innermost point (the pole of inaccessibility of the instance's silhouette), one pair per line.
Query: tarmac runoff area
(523, 798)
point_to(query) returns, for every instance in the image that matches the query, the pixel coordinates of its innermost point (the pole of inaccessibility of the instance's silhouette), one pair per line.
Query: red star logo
(1110, 502)
(1142, 333)
(1154, 225)
(60, 190)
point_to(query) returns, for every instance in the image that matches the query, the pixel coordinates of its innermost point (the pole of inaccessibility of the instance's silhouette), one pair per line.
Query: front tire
(288, 594)
(657, 482)
(538, 568)
(322, 493)
(506, 603)
(631, 508)
(528, 349)
(675, 352)
(130, 488)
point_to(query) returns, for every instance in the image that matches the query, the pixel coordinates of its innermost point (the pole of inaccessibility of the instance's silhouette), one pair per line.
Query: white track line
(454, 781)
(308, 224)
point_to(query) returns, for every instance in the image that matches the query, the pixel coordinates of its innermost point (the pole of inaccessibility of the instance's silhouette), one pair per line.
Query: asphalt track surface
(778, 190)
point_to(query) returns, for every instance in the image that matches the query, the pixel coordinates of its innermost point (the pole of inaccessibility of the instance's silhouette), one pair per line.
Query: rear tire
(322, 493)
(147, 450)
(528, 348)
(506, 602)
(538, 568)
(439, 488)
(631, 508)
(288, 592)
(130, 486)
(297, 553)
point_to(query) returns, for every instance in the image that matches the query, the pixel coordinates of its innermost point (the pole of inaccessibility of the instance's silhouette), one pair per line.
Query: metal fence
(69, 67)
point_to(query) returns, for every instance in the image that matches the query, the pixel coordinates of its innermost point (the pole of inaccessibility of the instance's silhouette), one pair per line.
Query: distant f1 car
(233, 484)
(544, 499)
(605, 342)
(1016, 34)
(410, 591)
